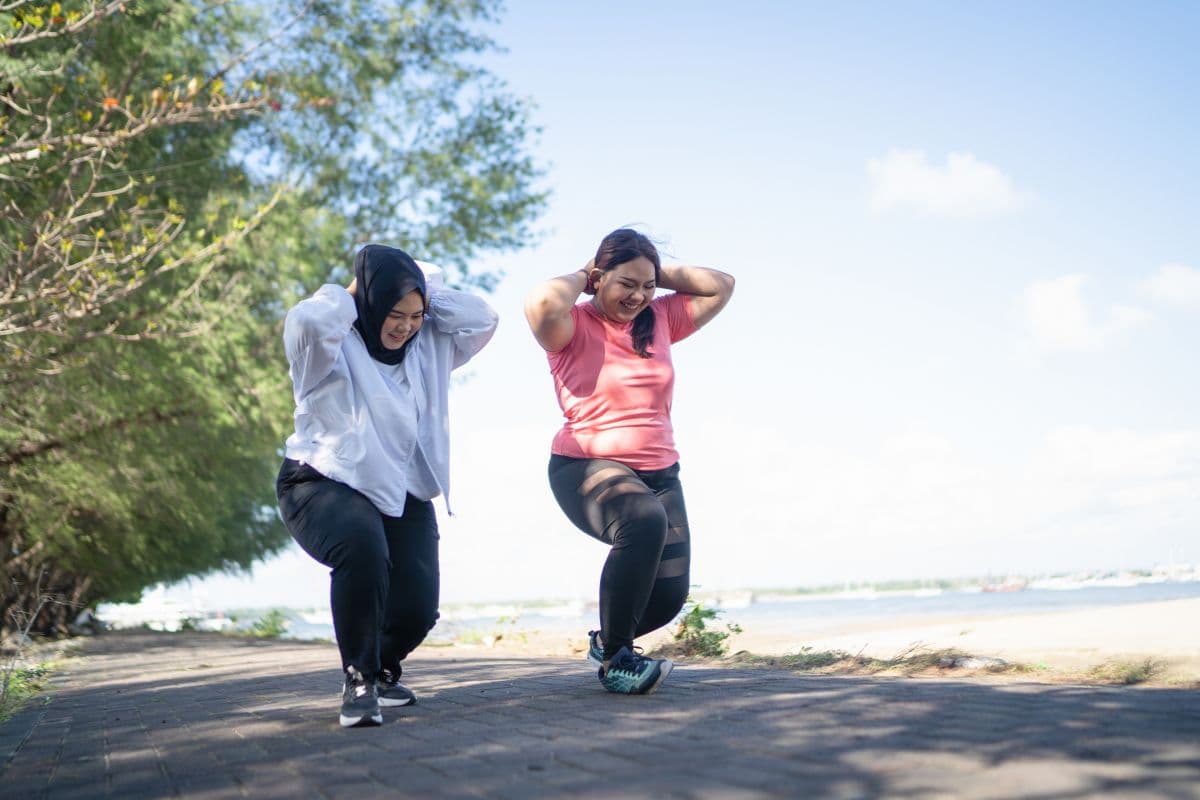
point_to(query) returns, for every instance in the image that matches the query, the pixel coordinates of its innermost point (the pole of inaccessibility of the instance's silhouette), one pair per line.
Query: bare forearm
(699, 281)
(548, 308)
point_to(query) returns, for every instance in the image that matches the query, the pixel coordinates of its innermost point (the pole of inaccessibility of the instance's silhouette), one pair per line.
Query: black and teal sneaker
(633, 673)
(390, 691)
(360, 704)
(595, 652)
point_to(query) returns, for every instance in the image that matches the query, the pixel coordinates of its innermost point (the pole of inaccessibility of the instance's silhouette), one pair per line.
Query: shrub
(271, 625)
(693, 636)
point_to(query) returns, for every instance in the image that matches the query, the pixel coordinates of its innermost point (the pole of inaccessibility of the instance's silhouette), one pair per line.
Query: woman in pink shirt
(614, 469)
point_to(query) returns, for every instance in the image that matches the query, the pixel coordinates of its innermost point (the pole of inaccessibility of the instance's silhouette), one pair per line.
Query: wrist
(669, 277)
(586, 273)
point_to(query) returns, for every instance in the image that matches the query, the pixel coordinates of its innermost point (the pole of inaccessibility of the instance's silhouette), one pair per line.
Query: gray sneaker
(360, 704)
(633, 673)
(391, 692)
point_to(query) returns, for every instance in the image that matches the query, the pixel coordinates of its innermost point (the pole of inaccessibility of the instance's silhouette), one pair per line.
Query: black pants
(642, 517)
(384, 570)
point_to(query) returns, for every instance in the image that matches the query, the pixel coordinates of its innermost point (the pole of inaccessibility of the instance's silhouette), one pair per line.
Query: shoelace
(632, 663)
(386, 676)
(636, 649)
(360, 682)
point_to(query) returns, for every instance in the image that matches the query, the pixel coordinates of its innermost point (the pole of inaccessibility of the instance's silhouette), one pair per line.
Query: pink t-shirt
(616, 403)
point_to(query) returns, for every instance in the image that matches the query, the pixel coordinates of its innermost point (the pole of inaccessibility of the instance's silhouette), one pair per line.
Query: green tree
(174, 176)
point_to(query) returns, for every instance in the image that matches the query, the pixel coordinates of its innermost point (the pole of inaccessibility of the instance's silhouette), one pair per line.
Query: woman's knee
(641, 521)
(362, 559)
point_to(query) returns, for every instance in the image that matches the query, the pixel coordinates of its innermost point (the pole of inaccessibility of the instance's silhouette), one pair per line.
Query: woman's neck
(600, 310)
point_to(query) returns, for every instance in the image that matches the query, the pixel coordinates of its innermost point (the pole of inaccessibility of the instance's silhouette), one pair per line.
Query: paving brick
(136, 724)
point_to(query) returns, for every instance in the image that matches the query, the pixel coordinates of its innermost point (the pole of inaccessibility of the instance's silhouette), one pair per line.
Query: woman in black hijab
(387, 276)
(370, 366)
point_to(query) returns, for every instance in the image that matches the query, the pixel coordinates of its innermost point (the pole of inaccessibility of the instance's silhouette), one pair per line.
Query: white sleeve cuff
(434, 276)
(341, 299)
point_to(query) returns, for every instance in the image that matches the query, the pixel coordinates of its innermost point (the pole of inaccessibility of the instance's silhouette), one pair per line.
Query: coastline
(1038, 633)
(1056, 644)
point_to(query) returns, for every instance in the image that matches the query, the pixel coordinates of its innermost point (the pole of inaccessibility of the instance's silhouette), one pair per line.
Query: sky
(963, 339)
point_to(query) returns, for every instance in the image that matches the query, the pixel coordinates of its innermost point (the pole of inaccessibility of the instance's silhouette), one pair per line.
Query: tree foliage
(174, 174)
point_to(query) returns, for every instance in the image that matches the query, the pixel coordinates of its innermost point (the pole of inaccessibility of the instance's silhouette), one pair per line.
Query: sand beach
(1059, 645)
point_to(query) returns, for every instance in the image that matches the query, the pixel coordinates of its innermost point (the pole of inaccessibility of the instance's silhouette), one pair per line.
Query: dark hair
(619, 247)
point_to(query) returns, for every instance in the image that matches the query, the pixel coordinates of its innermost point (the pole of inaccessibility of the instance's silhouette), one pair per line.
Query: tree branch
(28, 450)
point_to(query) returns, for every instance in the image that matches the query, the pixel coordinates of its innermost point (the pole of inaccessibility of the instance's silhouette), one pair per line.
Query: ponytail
(643, 332)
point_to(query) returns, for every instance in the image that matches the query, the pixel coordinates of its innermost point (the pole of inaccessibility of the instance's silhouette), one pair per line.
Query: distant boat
(1006, 586)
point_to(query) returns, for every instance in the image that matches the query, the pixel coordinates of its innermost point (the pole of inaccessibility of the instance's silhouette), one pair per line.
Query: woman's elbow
(539, 306)
(728, 283)
(491, 318)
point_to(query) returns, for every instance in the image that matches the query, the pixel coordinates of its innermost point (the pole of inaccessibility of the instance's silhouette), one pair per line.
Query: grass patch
(271, 625)
(20, 684)
(1127, 673)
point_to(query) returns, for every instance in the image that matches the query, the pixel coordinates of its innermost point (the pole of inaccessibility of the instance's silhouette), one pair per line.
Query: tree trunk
(33, 586)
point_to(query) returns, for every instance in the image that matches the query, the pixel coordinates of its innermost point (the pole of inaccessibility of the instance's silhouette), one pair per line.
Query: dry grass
(914, 660)
(920, 660)
(1127, 673)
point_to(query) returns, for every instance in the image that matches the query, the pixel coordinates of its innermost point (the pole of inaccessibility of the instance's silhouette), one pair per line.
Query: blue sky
(963, 339)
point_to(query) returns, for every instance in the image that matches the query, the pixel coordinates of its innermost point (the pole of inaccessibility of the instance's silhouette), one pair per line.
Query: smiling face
(403, 321)
(623, 291)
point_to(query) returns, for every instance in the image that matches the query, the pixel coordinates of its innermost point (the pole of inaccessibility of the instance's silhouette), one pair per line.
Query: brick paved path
(196, 715)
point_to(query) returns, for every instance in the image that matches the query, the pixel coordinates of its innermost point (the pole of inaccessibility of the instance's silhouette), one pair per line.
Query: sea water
(779, 613)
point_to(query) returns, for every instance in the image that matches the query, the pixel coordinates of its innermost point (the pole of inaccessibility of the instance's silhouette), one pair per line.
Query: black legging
(642, 516)
(384, 588)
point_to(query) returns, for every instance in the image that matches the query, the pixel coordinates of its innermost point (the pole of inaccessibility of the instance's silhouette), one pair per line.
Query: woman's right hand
(588, 286)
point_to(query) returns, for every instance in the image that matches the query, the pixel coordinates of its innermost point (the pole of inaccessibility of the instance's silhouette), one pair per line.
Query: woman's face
(403, 321)
(623, 291)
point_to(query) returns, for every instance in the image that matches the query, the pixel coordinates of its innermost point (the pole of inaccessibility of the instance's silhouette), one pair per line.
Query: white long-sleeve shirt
(361, 422)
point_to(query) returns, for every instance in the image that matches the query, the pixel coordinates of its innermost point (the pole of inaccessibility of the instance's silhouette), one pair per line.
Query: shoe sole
(389, 703)
(361, 722)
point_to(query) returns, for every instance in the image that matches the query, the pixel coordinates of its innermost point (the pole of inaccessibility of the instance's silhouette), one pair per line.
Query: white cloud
(1174, 284)
(964, 187)
(1058, 317)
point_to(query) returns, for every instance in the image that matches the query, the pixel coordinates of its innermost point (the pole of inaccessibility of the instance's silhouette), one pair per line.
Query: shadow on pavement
(257, 716)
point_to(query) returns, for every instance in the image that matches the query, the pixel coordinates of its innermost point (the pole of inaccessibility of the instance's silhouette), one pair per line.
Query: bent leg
(413, 581)
(672, 580)
(608, 501)
(343, 530)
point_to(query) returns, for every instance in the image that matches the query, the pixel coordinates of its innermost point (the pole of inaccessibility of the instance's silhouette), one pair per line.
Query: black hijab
(384, 276)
